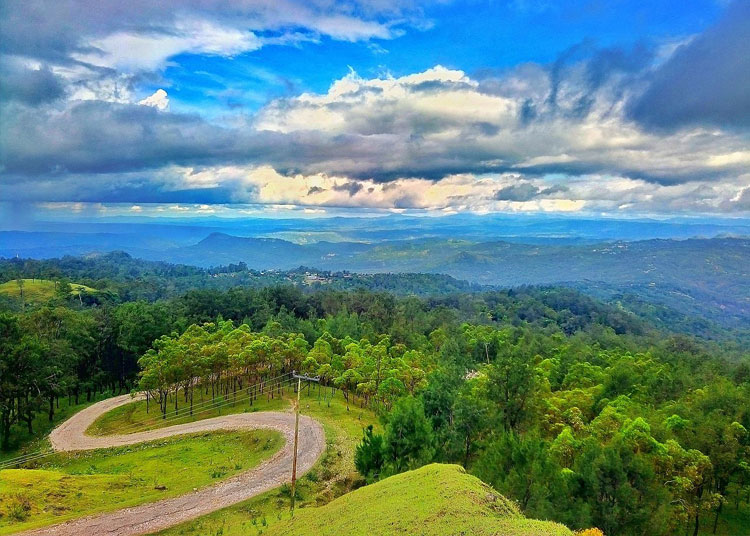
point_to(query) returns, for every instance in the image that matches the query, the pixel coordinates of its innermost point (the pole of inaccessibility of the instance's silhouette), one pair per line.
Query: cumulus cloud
(393, 142)
(159, 100)
(441, 121)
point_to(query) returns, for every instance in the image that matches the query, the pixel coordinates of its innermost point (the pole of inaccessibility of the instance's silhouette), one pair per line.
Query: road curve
(155, 516)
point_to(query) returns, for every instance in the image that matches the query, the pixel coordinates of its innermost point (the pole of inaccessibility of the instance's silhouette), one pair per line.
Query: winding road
(151, 517)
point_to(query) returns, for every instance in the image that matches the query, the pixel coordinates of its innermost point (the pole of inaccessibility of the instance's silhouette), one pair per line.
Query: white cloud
(460, 192)
(442, 119)
(133, 51)
(159, 100)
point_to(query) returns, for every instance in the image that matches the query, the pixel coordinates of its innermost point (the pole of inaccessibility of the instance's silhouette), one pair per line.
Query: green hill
(37, 290)
(434, 500)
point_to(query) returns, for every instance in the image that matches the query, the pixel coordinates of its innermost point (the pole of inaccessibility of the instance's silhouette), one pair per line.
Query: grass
(436, 500)
(71, 485)
(38, 290)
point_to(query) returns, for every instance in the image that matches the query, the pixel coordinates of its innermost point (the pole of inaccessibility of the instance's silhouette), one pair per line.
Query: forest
(580, 411)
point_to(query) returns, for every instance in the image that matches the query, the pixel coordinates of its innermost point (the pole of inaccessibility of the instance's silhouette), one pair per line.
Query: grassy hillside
(436, 499)
(37, 290)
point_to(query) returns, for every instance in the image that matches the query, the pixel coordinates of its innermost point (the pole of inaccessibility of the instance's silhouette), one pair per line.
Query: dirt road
(155, 516)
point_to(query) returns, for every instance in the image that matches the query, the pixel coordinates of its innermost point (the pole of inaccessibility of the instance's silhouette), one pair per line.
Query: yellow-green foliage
(436, 499)
(72, 485)
(38, 290)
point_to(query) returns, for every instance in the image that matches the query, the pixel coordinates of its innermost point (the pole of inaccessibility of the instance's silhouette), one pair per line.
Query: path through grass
(69, 485)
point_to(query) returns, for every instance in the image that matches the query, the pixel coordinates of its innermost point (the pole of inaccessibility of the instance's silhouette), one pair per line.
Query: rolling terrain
(703, 278)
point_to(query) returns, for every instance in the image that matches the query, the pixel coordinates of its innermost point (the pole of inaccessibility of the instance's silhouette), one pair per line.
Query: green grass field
(433, 500)
(37, 290)
(70, 485)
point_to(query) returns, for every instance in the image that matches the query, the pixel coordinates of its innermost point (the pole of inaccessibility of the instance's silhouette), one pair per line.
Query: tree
(369, 455)
(469, 412)
(512, 380)
(408, 436)
(522, 468)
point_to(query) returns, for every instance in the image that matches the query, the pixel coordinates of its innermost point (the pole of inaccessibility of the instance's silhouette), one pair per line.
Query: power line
(208, 405)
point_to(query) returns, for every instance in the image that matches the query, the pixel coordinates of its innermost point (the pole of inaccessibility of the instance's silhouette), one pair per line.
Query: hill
(38, 290)
(435, 499)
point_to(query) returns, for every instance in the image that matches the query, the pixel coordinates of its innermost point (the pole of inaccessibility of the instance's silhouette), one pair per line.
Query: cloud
(577, 134)
(159, 100)
(150, 50)
(705, 81)
(142, 34)
(440, 122)
(390, 142)
(32, 86)
(517, 192)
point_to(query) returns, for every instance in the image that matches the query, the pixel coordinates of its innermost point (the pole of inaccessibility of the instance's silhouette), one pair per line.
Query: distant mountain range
(708, 276)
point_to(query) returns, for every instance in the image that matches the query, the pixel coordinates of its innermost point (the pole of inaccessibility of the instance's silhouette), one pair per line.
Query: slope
(436, 499)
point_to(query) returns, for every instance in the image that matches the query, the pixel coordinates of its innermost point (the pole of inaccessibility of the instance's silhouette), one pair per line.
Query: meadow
(38, 290)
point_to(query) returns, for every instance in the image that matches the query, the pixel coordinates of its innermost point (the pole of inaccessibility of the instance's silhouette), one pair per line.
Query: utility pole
(296, 433)
(296, 438)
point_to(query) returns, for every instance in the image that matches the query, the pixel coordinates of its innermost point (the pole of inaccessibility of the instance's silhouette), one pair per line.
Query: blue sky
(587, 106)
(480, 38)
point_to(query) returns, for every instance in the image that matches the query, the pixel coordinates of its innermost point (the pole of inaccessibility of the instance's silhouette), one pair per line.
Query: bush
(18, 507)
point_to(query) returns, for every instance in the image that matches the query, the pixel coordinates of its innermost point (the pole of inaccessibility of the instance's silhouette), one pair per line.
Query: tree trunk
(695, 527)
(716, 518)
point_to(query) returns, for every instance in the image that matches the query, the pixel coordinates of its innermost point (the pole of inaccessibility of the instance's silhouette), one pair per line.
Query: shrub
(18, 507)
(589, 532)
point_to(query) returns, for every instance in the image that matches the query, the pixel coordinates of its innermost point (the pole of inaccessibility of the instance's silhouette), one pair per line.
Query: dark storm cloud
(102, 137)
(706, 81)
(29, 86)
(351, 187)
(525, 191)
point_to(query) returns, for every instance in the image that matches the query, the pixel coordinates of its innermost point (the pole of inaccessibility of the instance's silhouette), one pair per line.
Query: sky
(315, 106)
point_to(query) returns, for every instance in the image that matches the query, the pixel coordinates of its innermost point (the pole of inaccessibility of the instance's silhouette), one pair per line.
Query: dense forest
(583, 412)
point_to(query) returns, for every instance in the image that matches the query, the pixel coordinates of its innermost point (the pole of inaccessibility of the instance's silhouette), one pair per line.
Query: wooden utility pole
(296, 438)
(296, 433)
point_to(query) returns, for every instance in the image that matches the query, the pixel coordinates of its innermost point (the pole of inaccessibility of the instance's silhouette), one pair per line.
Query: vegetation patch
(39, 290)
